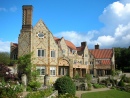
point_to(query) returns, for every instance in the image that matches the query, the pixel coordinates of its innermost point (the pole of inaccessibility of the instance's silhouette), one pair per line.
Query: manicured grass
(107, 94)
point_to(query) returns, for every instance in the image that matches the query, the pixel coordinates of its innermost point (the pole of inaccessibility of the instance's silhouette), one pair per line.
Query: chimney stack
(83, 44)
(97, 46)
(27, 17)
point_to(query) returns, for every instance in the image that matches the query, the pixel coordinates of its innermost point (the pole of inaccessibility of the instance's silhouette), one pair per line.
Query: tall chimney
(97, 46)
(83, 44)
(27, 17)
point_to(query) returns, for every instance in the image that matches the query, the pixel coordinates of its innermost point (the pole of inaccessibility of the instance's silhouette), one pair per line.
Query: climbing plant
(25, 65)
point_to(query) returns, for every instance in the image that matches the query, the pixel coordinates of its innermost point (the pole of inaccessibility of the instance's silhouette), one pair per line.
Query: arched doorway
(63, 67)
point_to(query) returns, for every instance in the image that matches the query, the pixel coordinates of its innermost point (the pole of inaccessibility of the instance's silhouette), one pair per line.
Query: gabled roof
(102, 53)
(68, 43)
(14, 44)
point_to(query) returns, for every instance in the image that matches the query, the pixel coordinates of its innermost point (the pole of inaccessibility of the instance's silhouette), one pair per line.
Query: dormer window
(40, 35)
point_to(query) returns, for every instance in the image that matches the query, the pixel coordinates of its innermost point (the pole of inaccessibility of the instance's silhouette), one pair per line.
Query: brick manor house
(58, 56)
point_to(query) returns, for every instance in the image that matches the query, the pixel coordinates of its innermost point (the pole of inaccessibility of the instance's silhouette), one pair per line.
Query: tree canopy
(122, 58)
(4, 58)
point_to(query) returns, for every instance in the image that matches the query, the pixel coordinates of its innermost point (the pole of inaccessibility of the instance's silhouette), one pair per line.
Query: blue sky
(105, 22)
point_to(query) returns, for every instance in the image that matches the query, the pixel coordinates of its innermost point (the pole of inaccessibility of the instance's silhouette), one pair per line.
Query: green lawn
(107, 94)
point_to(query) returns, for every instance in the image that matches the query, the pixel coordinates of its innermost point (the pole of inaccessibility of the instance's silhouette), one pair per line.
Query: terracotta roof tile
(15, 44)
(106, 62)
(102, 53)
(80, 48)
(68, 43)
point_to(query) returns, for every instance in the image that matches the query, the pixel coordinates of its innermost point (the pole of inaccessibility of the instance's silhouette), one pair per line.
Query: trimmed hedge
(65, 85)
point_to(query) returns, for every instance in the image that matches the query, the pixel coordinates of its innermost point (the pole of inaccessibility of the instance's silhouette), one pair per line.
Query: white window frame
(41, 52)
(52, 71)
(42, 70)
(53, 53)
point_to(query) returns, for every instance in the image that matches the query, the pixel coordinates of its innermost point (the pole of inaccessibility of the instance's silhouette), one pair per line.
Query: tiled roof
(15, 44)
(105, 62)
(68, 43)
(80, 48)
(102, 53)
(57, 39)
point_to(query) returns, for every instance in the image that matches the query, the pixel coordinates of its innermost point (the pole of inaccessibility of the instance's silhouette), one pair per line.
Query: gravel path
(78, 93)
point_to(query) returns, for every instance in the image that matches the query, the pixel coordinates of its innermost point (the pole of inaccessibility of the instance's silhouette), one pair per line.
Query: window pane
(42, 52)
(42, 71)
(52, 53)
(38, 52)
(53, 72)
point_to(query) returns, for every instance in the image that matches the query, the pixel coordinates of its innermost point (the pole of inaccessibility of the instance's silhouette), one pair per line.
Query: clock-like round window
(40, 35)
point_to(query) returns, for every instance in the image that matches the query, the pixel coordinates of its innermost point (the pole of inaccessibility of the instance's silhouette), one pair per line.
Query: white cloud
(77, 37)
(117, 23)
(3, 9)
(116, 30)
(4, 46)
(13, 9)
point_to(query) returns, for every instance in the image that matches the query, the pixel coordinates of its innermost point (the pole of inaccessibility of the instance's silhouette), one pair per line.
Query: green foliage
(40, 94)
(76, 76)
(98, 85)
(122, 58)
(34, 85)
(88, 77)
(25, 65)
(121, 83)
(10, 91)
(4, 58)
(65, 85)
(89, 86)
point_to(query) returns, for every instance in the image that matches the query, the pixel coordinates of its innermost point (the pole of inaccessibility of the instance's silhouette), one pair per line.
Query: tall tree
(122, 58)
(4, 58)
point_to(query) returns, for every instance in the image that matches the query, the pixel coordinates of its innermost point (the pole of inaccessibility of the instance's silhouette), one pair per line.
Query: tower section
(24, 39)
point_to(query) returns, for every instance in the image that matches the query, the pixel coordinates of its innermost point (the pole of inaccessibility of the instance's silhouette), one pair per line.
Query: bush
(121, 83)
(65, 85)
(10, 91)
(98, 86)
(34, 85)
(89, 86)
(88, 77)
(40, 94)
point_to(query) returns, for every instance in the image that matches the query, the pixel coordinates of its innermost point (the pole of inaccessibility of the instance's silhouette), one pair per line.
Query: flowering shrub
(6, 74)
(40, 94)
(10, 91)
